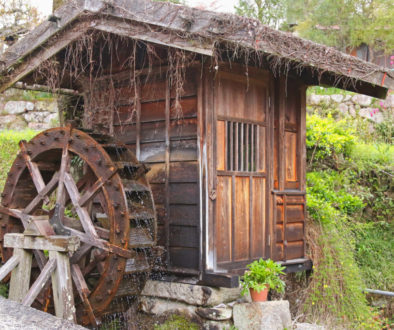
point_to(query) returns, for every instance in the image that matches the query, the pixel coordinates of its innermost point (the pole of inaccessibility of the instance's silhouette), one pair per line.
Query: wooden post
(58, 267)
(20, 276)
(62, 287)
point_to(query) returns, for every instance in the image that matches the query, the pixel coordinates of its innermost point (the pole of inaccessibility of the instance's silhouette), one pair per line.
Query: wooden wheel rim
(93, 154)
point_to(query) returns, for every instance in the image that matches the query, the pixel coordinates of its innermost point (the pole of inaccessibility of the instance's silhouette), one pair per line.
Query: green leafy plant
(262, 273)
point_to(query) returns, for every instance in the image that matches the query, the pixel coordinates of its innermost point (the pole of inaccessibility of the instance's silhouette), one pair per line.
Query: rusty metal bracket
(57, 224)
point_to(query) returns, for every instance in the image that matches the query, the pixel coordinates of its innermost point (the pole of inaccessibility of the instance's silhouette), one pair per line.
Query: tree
(269, 12)
(343, 24)
(350, 23)
(16, 19)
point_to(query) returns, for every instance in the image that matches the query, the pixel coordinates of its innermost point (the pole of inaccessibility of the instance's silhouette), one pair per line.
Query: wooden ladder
(57, 267)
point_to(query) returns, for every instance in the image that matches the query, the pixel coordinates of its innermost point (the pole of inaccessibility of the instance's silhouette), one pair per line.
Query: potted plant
(261, 276)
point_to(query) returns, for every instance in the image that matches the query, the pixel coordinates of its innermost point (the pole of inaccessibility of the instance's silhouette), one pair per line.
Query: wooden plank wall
(166, 140)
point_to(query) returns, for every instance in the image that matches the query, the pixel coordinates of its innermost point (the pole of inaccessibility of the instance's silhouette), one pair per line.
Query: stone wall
(20, 114)
(354, 105)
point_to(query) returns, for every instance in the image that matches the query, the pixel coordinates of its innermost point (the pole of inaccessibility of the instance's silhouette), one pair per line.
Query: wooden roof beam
(152, 34)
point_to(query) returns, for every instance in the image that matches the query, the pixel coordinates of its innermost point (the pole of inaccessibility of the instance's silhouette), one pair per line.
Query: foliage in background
(17, 17)
(269, 12)
(348, 23)
(339, 23)
(350, 199)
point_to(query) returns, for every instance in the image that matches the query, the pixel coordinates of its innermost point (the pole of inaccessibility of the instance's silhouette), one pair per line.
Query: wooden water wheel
(92, 187)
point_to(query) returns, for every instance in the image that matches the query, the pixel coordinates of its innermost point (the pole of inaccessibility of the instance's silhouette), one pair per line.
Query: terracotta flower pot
(259, 296)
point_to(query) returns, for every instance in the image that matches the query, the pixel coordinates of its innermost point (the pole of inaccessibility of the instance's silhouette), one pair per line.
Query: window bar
(231, 146)
(257, 148)
(236, 151)
(241, 146)
(226, 145)
(252, 148)
(247, 146)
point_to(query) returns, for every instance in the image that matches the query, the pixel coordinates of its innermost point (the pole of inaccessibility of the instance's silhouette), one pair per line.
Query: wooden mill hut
(213, 103)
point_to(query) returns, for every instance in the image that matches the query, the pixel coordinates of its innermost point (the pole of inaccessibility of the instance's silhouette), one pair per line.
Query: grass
(381, 153)
(177, 322)
(26, 95)
(9, 148)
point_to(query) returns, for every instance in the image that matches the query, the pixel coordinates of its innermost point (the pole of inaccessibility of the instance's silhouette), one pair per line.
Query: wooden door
(240, 207)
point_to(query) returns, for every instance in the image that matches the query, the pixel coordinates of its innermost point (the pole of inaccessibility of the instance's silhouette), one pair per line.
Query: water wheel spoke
(33, 169)
(64, 167)
(92, 190)
(82, 212)
(101, 244)
(83, 250)
(12, 212)
(76, 224)
(98, 258)
(83, 292)
(48, 189)
(40, 282)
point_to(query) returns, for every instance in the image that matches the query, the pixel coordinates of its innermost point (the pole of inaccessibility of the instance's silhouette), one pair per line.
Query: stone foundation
(215, 308)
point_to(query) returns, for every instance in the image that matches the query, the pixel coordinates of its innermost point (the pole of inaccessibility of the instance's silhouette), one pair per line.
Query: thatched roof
(194, 30)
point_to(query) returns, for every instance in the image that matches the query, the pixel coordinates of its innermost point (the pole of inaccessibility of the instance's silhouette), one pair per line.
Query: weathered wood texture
(197, 30)
(248, 223)
(241, 106)
(167, 143)
(288, 204)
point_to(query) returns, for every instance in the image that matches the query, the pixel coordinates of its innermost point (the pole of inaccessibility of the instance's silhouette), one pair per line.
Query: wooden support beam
(41, 88)
(153, 34)
(51, 243)
(8, 266)
(167, 168)
(20, 276)
(40, 282)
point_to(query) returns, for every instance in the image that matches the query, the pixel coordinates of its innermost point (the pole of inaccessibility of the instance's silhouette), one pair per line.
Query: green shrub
(327, 139)
(328, 192)
(349, 195)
